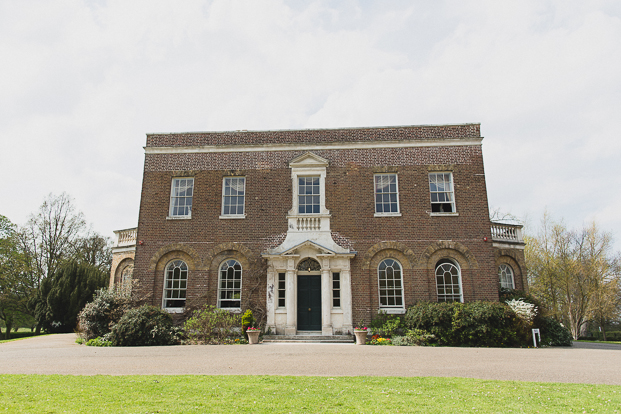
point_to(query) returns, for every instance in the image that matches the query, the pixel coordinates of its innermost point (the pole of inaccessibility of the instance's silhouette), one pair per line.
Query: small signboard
(536, 331)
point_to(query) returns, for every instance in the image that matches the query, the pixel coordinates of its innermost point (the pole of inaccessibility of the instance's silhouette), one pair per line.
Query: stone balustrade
(511, 233)
(125, 238)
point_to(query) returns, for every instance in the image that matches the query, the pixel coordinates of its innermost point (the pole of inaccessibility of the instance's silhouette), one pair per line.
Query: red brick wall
(349, 197)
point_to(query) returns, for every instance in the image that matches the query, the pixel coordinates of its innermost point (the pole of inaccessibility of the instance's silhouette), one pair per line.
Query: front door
(309, 302)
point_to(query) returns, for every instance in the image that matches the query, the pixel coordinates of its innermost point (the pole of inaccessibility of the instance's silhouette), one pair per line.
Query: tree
(16, 285)
(57, 233)
(93, 249)
(64, 294)
(51, 234)
(573, 274)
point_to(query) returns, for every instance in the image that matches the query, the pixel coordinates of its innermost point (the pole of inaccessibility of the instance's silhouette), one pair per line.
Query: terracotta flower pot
(253, 337)
(361, 336)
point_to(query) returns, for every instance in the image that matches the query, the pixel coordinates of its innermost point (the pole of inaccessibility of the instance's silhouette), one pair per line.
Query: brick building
(317, 229)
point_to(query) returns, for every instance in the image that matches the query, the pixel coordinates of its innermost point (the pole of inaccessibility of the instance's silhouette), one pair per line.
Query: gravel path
(59, 354)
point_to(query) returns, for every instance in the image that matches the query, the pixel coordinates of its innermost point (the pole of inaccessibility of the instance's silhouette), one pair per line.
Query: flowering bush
(378, 340)
(251, 328)
(524, 310)
(364, 328)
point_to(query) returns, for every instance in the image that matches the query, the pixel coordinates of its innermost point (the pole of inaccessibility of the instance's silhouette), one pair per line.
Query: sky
(83, 82)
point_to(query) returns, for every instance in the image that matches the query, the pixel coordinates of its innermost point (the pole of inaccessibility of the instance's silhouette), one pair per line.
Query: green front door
(309, 302)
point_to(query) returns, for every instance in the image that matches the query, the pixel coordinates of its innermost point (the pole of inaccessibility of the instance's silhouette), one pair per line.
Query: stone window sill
(387, 215)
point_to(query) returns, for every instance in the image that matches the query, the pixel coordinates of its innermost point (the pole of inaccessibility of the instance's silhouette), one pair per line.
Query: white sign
(536, 331)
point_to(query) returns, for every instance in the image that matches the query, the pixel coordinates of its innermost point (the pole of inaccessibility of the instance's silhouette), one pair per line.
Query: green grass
(273, 394)
(20, 334)
(599, 342)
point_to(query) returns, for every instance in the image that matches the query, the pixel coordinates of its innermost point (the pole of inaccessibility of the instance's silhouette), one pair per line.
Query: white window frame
(335, 288)
(390, 308)
(450, 193)
(308, 165)
(375, 188)
(233, 216)
(447, 264)
(502, 271)
(173, 197)
(281, 292)
(176, 263)
(230, 289)
(319, 189)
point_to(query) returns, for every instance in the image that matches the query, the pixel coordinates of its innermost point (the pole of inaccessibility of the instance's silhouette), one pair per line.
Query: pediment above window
(308, 160)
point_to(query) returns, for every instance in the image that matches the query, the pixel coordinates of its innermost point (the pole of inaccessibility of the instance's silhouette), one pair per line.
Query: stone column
(270, 298)
(346, 301)
(290, 299)
(326, 303)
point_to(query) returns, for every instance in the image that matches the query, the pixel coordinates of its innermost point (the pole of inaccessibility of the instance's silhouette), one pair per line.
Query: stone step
(306, 338)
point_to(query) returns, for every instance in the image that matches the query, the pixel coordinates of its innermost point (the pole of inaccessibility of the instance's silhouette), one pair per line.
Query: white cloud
(84, 81)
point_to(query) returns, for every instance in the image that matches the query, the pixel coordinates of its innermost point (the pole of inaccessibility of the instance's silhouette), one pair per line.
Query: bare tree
(52, 233)
(573, 274)
(94, 249)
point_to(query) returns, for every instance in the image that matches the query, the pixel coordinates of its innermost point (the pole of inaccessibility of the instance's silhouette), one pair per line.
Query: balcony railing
(309, 223)
(511, 233)
(125, 238)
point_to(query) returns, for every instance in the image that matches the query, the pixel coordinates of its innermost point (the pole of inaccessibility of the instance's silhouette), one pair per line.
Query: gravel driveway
(59, 354)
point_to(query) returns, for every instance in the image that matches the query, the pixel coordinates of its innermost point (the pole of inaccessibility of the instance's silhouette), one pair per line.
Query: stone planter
(253, 337)
(361, 336)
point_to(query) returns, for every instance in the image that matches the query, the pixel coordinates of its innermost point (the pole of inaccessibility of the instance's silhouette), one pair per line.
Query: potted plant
(253, 335)
(361, 334)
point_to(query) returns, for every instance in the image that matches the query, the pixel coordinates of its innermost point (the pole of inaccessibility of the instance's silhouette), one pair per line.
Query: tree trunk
(38, 332)
(9, 325)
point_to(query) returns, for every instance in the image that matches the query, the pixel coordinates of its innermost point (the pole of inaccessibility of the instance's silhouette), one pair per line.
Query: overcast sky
(82, 82)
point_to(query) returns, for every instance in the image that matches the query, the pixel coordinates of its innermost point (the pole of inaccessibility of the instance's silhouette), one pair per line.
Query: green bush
(99, 341)
(144, 326)
(414, 337)
(468, 324)
(106, 309)
(62, 295)
(212, 325)
(552, 332)
(435, 318)
(386, 325)
(247, 321)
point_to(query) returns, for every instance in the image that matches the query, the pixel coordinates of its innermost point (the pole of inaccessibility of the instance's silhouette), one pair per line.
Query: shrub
(212, 325)
(98, 316)
(552, 332)
(414, 337)
(99, 341)
(435, 318)
(385, 324)
(524, 310)
(62, 295)
(468, 324)
(247, 321)
(144, 326)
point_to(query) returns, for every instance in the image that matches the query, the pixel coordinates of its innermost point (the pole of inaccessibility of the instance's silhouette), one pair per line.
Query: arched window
(229, 288)
(175, 284)
(309, 265)
(448, 281)
(505, 273)
(390, 284)
(126, 276)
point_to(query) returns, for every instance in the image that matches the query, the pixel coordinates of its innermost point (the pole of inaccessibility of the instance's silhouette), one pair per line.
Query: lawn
(599, 342)
(20, 334)
(274, 394)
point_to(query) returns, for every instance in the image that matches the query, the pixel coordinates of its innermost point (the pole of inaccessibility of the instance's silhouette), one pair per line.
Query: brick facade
(417, 239)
